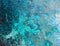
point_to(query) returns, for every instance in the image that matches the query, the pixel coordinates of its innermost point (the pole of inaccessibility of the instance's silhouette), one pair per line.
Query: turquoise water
(30, 22)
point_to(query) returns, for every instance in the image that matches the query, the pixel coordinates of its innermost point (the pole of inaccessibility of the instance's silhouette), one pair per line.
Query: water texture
(29, 23)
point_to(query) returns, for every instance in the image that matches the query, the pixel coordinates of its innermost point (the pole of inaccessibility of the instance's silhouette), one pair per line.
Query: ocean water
(29, 23)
